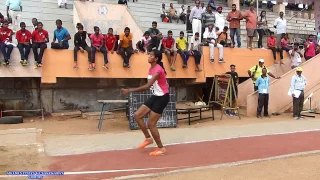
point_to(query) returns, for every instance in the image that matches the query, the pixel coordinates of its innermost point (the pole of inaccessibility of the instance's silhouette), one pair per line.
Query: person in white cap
(256, 71)
(298, 84)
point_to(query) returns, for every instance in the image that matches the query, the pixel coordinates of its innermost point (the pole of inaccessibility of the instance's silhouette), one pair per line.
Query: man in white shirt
(298, 84)
(210, 37)
(163, 12)
(195, 50)
(183, 14)
(195, 18)
(295, 56)
(220, 19)
(281, 28)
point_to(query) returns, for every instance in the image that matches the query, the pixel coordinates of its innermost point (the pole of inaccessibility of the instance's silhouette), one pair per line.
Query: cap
(220, 7)
(261, 60)
(299, 69)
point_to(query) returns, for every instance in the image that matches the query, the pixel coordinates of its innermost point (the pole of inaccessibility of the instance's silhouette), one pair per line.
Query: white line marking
(214, 166)
(105, 171)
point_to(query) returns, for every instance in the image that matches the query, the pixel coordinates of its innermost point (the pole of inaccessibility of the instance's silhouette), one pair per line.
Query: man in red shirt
(271, 41)
(40, 38)
(23, 37)
(111, 40)
(5, 40)
(168, 48)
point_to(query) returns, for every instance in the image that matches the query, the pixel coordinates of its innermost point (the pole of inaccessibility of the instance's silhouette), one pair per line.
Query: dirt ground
(27, 158)
(297, 168)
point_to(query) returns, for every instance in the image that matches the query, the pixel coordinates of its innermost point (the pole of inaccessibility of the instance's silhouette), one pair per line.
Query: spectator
(168, 48)
(183, 14)
(195, 50)
(5, 42)
(14, 9)
(208, 18)
(125, 47)
(210, 37)
(40, 38)
(297, 87)
(211, 3)
(62, 35)
(271, 41)
(80, 44)
(97, 44)
(173, 13)
(111, 41)
(235, 79)
(143, 44)
(188, 10)
(262, 27)
(23, 37)
(222, 41)
(263, 89)
(163, 12)
(256, 71)
(285, 43)
(281, 27)
(219, 19)
(204, 9)
(234, 17)
(181, 44)
(195, 18)
(310, 48)
(251, 25)
(34, 24)
(295, 56)
(62, 2)
(156, 37)
(123, 2)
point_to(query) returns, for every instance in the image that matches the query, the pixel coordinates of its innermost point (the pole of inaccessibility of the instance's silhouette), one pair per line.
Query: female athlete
(155, 105)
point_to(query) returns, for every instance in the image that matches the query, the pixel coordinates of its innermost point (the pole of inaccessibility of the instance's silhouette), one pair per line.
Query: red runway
(191, 155)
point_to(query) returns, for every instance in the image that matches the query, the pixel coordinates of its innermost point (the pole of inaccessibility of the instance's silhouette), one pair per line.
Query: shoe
(267, 116)
(124, 65)
(4, 63)
(93, 65)
(75, 65)
(105, 66)
(21, 61)
(90, 67)
(301, 117)
(227, 112)
(184, 66)
(7, 63)
(128, 65)
(212, 60)
(221, 60)
(145, 143)
(296, 118)
(36, 66)
(260, 117)
(39, 64)
(25, 63)
(158, 152)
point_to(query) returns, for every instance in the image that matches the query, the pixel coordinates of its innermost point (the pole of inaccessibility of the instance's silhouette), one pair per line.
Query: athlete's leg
(152, 124)
(138, 116)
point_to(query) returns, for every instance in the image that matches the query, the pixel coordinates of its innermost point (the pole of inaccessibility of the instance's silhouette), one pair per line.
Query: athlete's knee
(152, 125)
(137, 115)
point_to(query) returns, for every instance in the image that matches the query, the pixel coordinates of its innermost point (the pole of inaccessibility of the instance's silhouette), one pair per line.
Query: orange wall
(59, 63)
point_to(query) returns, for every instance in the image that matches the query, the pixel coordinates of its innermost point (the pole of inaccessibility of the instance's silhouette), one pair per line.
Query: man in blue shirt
(14, 9)
(263, 89)
(62, 35)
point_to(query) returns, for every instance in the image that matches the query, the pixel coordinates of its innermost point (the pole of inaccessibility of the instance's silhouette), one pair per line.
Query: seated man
(5, 42)
(210, 38)
(183, 14)
(173, 13)
(271, 42)
(40, 38)
(125, 46)
(168, 49)
(195, 50)
(181, 44)
(23, 37)
(156, 36)
(62, 35)
(80, 44)
(163, 12)
(143, 44)
(222, 41)
(110, 40)
(97, 44)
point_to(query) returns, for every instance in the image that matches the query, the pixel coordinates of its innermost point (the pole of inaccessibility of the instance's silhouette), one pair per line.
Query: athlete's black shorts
(157, 103)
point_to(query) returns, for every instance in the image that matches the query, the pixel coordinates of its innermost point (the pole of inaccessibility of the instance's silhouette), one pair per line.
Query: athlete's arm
(143, 87)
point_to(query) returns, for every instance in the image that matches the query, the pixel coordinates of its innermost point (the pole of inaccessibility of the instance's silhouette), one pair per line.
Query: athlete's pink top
(160, 87)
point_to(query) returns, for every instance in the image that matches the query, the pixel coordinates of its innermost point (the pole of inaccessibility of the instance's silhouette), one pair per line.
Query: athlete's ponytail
(158, 55)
